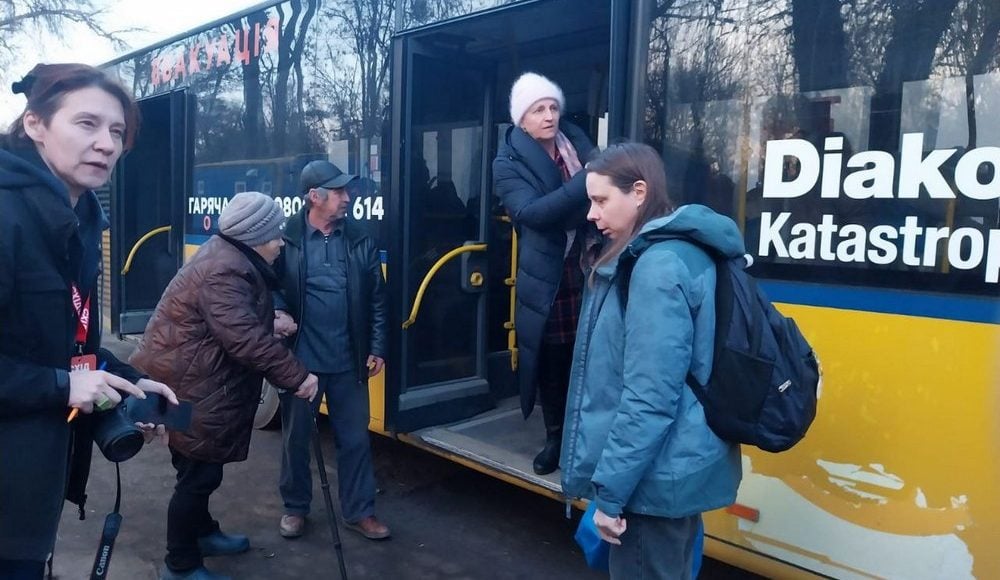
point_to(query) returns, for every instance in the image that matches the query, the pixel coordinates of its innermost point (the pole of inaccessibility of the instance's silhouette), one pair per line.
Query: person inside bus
(331, 286)
(538, 175)
(75, 126)
(637, 442)
(212, 337)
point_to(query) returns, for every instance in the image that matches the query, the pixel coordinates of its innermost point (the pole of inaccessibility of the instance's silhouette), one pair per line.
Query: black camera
(116, 435)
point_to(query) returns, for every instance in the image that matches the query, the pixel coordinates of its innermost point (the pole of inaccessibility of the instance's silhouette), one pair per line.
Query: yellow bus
(856, 143)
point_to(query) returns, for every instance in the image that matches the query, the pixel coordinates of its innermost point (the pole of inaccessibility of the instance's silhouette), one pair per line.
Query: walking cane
(330, 515)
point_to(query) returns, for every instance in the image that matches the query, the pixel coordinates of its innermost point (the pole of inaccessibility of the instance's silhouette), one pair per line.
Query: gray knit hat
(252, 218)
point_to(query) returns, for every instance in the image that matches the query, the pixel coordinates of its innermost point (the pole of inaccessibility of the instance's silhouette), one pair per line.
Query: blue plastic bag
(596, 550)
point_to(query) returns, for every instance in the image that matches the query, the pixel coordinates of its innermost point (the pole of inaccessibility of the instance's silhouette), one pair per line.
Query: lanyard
(82, 310)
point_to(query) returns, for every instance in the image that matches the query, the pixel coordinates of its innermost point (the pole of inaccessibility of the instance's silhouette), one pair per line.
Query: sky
(77, 44)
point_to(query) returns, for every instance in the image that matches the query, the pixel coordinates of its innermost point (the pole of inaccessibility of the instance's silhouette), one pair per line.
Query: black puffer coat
(45, 245)
(542, 207)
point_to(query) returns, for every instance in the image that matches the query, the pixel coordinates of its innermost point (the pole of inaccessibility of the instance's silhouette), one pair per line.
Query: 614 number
(366, 208)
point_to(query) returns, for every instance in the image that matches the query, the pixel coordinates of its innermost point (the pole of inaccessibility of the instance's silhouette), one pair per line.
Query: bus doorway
(452, 382)
(147, 207)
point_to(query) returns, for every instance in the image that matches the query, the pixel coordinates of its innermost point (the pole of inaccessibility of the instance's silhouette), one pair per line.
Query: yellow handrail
(135, 248)
(512, 283)
(430, 274)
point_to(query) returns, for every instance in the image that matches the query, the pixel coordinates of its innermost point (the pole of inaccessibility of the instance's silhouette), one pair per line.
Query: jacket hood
(702, 225)
(23, 167)
(694, 222)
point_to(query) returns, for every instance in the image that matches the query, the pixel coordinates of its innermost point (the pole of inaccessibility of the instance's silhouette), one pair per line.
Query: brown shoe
(370, 528)
(291, 526)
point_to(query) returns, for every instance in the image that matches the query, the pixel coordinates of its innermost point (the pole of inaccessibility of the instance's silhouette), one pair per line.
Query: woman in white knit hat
(212, 338)
(538, 174)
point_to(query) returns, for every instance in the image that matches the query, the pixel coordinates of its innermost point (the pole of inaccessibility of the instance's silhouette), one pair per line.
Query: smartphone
(157, 410)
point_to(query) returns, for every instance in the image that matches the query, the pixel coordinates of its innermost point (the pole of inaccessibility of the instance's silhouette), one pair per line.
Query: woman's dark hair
(46, 85)
(624, 164)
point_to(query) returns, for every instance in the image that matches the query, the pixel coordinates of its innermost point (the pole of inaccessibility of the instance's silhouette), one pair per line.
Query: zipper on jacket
(595, 310)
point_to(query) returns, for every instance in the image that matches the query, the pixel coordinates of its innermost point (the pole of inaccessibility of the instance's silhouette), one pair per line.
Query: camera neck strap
(112, 524)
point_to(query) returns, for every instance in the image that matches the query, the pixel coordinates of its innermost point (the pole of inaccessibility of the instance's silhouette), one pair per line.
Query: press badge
(83, 362)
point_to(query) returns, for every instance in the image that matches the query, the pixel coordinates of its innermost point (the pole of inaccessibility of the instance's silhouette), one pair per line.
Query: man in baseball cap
(340, 338)
(322, 174)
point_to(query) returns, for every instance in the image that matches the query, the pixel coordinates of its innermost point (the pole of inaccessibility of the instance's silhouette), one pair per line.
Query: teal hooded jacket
(635, 436)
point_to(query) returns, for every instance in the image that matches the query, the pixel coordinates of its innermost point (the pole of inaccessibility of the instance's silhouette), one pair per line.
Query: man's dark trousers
(347, 405)
(188, 517)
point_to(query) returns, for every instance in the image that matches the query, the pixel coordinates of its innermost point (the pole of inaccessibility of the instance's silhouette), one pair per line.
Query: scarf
(568, 153)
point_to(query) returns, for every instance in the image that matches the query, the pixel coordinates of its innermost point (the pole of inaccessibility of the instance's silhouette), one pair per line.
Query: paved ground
(448, 522)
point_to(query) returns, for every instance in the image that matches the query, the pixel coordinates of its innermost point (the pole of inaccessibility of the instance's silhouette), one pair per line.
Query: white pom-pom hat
(530, 88)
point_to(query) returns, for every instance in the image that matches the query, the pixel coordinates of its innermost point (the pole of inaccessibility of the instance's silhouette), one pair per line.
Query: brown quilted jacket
(211, 340)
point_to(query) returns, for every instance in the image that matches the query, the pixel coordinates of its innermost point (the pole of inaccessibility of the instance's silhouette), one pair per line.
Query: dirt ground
(448, 521)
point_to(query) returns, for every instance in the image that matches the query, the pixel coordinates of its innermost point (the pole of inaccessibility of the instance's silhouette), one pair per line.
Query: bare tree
(253, 102)
(335, 99)
(292, 36)
(417, 12)
(917, 29)
(970, 46)
(22, 20)
(819, 44)
(369, 23)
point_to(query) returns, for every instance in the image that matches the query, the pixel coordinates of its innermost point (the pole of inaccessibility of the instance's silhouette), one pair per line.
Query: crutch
(330, 514)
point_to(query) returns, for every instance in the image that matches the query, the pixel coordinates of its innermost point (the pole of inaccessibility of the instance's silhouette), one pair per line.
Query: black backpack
(765, 376)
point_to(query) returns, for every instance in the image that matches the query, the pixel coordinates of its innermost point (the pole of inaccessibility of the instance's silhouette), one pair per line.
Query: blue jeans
(347, 403)
(654, 548)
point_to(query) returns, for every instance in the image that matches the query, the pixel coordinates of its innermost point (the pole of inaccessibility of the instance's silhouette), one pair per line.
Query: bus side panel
(898, 476)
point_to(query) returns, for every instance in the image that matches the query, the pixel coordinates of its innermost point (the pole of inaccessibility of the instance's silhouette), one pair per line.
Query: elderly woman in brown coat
(212, 338)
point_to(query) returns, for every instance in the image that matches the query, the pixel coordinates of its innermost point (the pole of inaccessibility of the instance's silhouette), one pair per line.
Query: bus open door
(451, 383)
(437, 265)
(148, 193)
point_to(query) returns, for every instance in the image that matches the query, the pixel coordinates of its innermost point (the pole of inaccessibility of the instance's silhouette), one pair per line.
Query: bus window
(418, 13)
(858, 147)
(838, 165)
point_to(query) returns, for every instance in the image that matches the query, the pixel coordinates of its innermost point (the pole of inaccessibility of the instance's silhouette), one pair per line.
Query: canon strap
(112, 524)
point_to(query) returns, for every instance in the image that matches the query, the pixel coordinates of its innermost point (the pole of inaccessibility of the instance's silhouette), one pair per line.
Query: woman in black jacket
(76, 124)
(539, 177)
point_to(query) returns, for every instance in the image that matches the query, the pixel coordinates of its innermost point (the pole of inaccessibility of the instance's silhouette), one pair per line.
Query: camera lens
(117, 437)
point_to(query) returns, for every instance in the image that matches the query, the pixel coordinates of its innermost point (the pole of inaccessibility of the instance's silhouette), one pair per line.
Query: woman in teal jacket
(636, 440)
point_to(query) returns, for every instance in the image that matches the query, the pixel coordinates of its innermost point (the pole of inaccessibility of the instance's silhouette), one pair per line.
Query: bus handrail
(510, 325)
(141, 241)
(430, 274)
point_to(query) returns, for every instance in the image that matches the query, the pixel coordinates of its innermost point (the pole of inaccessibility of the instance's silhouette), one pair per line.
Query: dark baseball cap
(323, 174)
